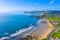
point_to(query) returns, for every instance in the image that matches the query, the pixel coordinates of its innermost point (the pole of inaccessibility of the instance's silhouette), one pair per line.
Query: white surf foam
(4, 38)
(17, 33)
(21, 31)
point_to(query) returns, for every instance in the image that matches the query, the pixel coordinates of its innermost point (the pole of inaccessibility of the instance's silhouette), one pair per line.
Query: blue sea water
(10, 23)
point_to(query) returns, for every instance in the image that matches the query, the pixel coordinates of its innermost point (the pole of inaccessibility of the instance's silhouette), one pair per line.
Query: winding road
(49, 36)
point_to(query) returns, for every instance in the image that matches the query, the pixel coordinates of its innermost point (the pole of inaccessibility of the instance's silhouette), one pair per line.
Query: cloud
(51, 2)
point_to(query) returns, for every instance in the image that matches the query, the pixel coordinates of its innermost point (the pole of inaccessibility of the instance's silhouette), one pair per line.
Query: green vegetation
(54, 18)
(44, 39)
(56, 34)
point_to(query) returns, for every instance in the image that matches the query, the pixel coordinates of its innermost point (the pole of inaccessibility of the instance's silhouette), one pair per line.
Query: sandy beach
(43, 30)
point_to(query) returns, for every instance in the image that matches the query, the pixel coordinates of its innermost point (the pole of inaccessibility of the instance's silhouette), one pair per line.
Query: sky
(28, 5)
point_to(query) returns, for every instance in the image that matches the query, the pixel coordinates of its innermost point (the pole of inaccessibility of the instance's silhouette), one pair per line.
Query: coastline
(21, 33)
(41, 31)
(44, 29)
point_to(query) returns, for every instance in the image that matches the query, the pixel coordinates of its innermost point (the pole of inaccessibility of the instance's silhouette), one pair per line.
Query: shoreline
(42, 33)
(18, 34)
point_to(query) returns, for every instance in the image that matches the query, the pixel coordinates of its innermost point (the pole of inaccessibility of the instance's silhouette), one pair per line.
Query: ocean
(10, 23)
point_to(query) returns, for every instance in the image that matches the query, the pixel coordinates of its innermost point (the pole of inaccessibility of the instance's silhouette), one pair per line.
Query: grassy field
(54, 18)
(56, 34)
